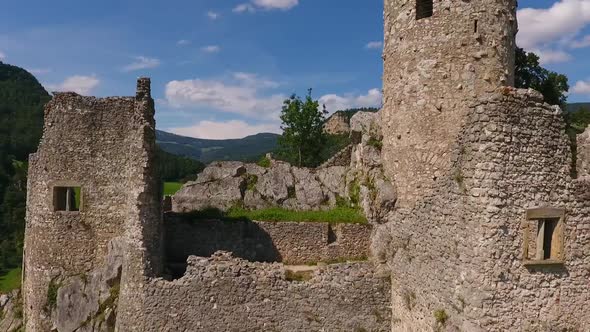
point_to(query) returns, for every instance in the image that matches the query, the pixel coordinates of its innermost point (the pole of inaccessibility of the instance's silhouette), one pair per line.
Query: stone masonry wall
(289, 242)
(81, 146)
(99, 145)
(460, 250)
(433, 69)
(226, 294)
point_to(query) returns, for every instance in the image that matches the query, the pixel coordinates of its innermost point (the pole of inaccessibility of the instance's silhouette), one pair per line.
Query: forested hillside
(21, 120)
(249, 148)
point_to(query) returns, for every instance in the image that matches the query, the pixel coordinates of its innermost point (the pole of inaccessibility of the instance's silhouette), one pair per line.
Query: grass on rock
(170, 188)
(336, 215)
(11, 280)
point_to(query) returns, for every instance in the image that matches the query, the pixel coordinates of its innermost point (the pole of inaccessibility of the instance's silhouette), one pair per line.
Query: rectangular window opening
(424, 9)
(546, 240)
(67, 198)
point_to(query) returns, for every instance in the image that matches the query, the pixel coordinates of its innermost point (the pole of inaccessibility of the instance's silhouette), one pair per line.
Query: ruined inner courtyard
(473, 204)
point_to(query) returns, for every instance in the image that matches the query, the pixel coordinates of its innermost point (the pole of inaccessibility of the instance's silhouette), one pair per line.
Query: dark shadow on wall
(198, 235)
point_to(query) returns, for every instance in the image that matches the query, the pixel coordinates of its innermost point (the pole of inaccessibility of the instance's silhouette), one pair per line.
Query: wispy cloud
(335, 102)
(213, 15)
(581, 43)
(243, 8)
(255, 5)
(183, 42)
(80, 84)
(225, 129)
(2, 56)
(582, 87)
(211, 49)
(548, 56)
(142, 62)
(374, 45)
(244, 94)
(550, 31)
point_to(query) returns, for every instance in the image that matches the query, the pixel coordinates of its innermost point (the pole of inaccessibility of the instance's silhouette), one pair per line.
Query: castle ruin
(490, 231)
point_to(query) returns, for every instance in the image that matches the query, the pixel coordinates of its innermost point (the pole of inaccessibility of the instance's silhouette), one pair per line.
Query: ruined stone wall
(433, 68)
(97, 145)
(289, 242)
(225, 294)
(460, 250)
(583, 155)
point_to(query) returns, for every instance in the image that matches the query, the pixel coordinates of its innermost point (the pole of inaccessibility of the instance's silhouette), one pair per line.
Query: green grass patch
(170, 188)
(11, 280)
(336, 215)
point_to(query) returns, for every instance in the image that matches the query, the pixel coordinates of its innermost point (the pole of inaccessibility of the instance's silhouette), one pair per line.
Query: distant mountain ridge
(574, 107)
(249, 148)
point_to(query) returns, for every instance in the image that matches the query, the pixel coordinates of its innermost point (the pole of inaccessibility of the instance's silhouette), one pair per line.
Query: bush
(264, 162)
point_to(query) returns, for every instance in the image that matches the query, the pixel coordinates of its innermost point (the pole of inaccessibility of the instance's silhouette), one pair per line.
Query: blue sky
(220, 68)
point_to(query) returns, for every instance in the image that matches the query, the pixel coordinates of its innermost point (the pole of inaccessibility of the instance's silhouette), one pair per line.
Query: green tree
(530, 74)
(303, 131)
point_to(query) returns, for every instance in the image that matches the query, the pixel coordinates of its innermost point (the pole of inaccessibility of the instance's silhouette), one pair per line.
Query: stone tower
(493, 217)
(92, 210)
(438, 57)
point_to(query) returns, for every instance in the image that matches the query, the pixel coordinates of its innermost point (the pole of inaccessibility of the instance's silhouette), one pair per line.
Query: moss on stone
(52, 291)
(441, 316)
(354, 192)
(251, 181)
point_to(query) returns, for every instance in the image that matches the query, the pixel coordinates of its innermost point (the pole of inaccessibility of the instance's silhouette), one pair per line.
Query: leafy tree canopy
(530, 74)
(303, 131)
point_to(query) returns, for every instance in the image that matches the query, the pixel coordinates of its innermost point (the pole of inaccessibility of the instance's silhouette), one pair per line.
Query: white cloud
(183, 42)
(242, 94)
(80, 84)
(582, 87)
(547, 56)
(40, 71)
(244, 7)
(374, 45)
(2, 56)
(211, 49)
(254, 80)
(335, 102)
(581, 43)
(276, 4)
(564, 19)
(212, 15)
(225, 129)
(252, 6)
(142, 62)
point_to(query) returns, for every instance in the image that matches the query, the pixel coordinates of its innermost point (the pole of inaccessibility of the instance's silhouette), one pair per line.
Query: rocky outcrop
(11, 312)
(88, 302)
(226, 184)
(376, 193)
(353, 177)
(337, 124)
